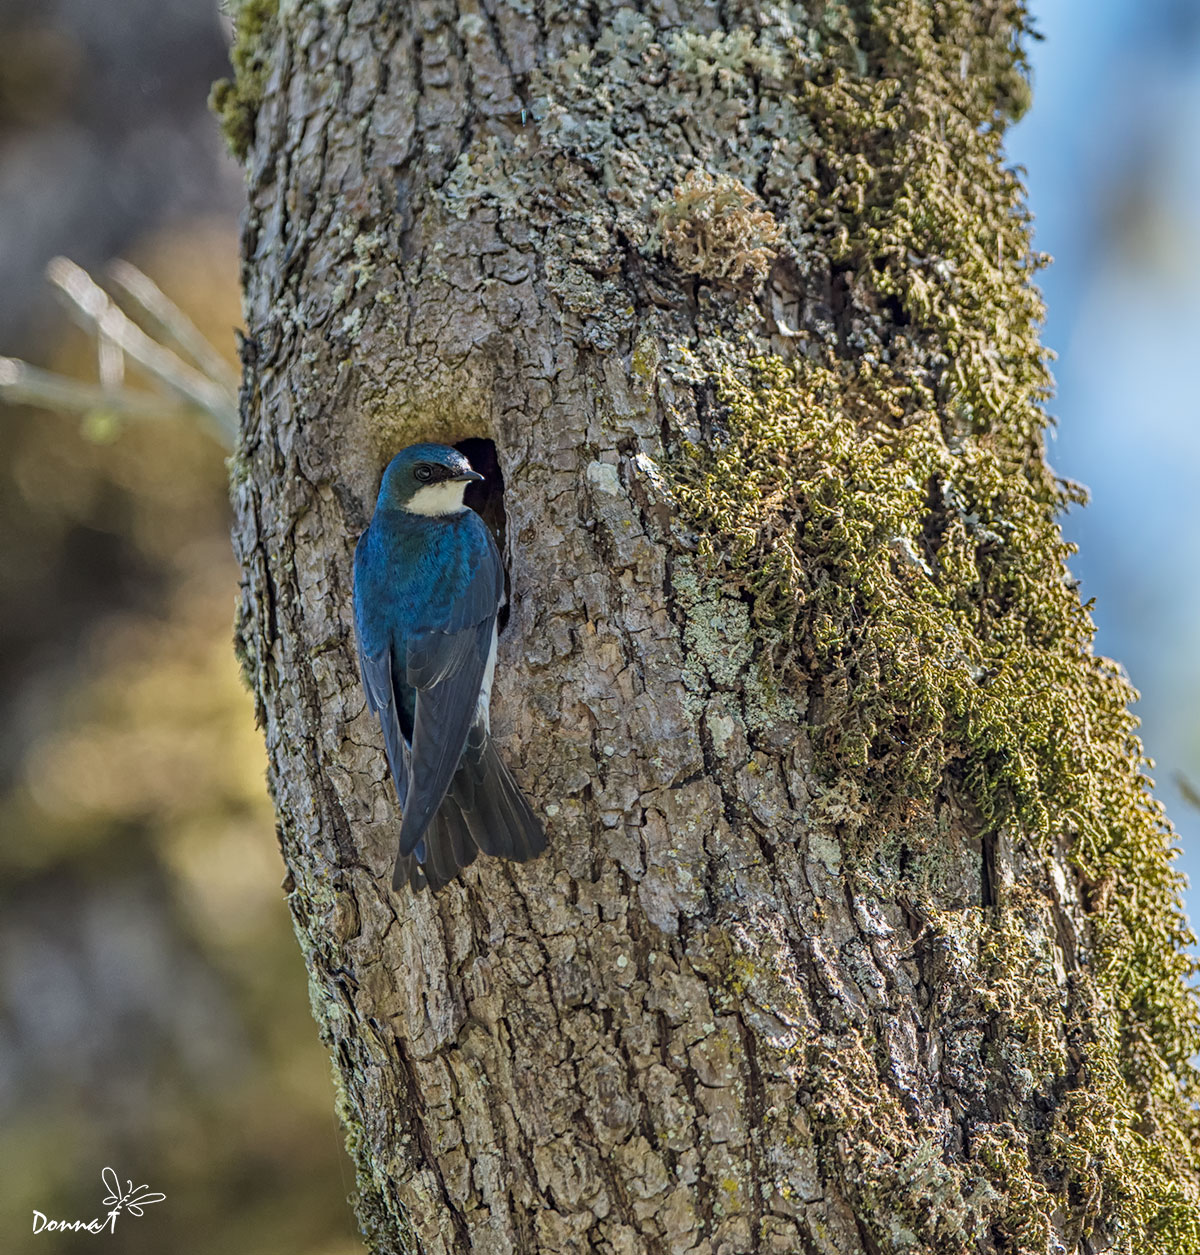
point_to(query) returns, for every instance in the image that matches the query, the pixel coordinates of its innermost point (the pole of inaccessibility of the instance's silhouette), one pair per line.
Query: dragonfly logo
(132, 1199)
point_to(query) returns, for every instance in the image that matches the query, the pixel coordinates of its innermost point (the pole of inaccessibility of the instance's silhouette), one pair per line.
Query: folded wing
(446, 670)
(378, 678)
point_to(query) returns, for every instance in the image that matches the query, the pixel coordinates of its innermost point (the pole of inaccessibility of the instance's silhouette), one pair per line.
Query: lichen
(721, 651)
(881, 504)
(716, 228)
(236, 101)
(722, 58)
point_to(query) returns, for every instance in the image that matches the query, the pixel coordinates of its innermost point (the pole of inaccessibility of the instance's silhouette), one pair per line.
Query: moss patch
(236, 101)
(882, 504)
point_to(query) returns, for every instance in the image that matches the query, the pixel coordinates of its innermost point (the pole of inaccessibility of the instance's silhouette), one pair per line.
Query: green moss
(236, 101)
(882, 506)
(905, 1193)
(644, 359)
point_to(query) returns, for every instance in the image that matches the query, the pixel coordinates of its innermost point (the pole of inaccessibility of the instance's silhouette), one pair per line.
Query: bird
(428, 585)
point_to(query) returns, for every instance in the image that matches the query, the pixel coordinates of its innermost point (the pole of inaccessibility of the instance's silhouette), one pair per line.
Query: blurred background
(1112, 163)
(153, 1005)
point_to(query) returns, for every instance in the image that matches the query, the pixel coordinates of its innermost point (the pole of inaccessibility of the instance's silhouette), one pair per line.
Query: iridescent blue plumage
(428, 582)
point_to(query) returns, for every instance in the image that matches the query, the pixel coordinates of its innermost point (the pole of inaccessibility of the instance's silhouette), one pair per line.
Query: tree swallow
(428, 583)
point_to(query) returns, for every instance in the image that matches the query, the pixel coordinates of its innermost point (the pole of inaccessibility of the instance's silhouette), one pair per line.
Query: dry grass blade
(171, 323)
(22, 384)
(93, 307)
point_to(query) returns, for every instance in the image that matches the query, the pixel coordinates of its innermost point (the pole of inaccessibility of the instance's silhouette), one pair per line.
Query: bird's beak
(467, 477)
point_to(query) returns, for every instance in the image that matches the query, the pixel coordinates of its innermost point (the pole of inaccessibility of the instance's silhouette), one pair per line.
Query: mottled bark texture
(858, 931)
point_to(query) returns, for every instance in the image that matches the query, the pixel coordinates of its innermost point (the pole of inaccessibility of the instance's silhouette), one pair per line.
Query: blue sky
(1113, 170)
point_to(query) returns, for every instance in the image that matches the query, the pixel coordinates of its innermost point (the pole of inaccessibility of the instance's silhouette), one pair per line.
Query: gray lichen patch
(721, 651)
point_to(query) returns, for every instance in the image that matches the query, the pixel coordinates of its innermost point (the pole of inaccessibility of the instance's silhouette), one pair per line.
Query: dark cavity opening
(486, 498)
(987, 878)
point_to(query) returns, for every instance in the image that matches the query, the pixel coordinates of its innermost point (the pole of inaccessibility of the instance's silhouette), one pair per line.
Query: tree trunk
(857, 931)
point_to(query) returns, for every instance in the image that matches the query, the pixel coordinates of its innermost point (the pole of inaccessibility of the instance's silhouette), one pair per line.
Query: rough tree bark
(857, 932)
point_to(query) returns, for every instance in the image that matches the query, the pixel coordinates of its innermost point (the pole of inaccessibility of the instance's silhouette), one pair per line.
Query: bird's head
(426, 479)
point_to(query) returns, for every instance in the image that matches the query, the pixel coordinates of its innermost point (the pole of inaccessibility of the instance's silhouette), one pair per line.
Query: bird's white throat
(436, 500)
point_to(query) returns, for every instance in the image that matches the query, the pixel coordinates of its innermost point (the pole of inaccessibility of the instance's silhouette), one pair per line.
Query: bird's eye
(424, 473)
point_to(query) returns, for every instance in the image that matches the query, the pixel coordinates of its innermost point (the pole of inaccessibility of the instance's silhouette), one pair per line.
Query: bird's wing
(380, 687)
(446, 667)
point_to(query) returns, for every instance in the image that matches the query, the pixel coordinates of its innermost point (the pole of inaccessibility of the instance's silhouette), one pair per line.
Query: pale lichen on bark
(833, 949)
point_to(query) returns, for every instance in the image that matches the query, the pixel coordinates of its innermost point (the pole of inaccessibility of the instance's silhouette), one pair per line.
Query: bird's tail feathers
(497, 813)
(445, 848)
(484, 811)
(408, 870)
